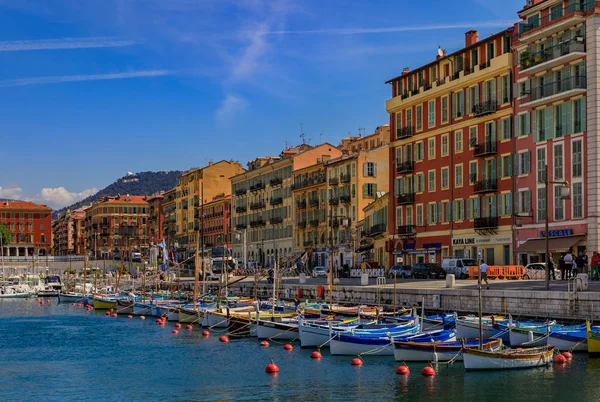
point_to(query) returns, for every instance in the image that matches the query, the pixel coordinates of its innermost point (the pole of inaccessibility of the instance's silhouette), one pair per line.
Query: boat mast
(480, 311)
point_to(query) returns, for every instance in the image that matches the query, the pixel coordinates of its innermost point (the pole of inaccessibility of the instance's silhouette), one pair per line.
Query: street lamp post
(564, 194)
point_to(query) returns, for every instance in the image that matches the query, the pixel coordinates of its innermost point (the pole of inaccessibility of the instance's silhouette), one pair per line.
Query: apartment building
(68, 233)
(30, 227)
(155, 218)
(451, 155)
(374, 246)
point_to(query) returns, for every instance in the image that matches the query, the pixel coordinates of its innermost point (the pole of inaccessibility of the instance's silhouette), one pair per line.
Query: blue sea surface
(59, 352)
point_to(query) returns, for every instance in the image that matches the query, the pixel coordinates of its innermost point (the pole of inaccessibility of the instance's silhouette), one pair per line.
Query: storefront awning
(555, 244)
(365, 248)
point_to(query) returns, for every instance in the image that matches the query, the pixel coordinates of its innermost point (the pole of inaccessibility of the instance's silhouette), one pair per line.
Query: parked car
(319, 271)
(136, 256)
(458, 266)
(402, 271)
(536, 270)
(428, 271)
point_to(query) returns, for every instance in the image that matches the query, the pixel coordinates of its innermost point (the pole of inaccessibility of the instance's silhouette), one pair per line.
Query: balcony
(276, 201)
(257, 186)
(552, 56)
(185, 206)
(404, 132)
(490, 222)
(314, 223)
(301, 204)
(298, 184)
(334, 223)
(240, 191)
(483, 108)
(555, 21)
(484, 149)
(257, 222)
(313, 202)
(257, 205)
(486, 186)
(377, 230)
(239, 210)
(301, 224)
(308, 243)
(345, 199)
(240, 226)
(334, 181)
(334, 201)
(406, 230)
(405, 167)
(276, 181)
(405, 199)
(553, 91)
(276, 220)
(345, 178)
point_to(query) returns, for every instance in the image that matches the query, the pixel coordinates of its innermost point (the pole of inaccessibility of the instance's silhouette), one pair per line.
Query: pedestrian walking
(594, 266)
(552, 268)
(483, 268)
(562, 267)
(568, 264)
(579, 264)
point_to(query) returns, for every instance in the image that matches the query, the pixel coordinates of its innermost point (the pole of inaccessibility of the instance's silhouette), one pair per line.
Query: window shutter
(374, 169)
(492, 169)
(492, 213)
(515, 90)
(468, 97)
(509, 169)
(398, 156)
(500, 167)
(535, 123)
(516, 164)
(365, 191)
(365, 169)
(528, 167)
(516, 130)
(509, 203)
(476, 100)
(375, 189)
(499, 90)
(439, 212)
(526, 117)
(500, 204)
(469, 200)
(582, 113)
(398, 120)
(453, 105)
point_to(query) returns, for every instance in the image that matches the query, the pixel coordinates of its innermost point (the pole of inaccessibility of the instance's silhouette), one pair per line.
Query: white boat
(10, 292)
(142, 308)
(438, 351)
(277, 330)
(468, 328)
(171, 312)
(71, 297)
(574, 340)
(505, 359)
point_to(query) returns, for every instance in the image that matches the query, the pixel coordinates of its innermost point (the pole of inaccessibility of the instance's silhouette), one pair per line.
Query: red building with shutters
(30, 226)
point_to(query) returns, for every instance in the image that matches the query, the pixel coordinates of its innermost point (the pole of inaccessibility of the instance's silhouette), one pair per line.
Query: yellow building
(374, 236)
(195, 185)
(380, 138)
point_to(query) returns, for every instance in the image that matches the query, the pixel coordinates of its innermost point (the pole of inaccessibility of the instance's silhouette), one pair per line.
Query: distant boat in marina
(475, 359)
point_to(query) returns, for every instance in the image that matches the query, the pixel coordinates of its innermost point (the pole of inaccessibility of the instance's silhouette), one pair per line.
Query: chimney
(471, 37)
(406, 70)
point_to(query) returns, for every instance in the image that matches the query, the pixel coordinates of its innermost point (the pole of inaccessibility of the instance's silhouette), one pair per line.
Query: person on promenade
(483, 274)
(578, 265)
(568, 264)
(552, 268)
(562, 267)
(594, 266)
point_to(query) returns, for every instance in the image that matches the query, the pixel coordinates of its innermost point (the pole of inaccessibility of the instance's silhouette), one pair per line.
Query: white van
(458, 266)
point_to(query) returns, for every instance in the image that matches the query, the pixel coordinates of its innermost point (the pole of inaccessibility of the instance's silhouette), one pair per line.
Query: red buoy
(264, 343)
(428, 371)
(27, 298)
(272, 368)
(158, 320)
(129, 316)
(107, 313)
(287, 346)
(189, 327)
(41, 303)
(178, 325)
(205, 333)
(79, 305)
(403, 370)
(356, 362)
(175, 332)
(114, 314)
(73, 304)
(162, 323)
(560, 359)
(111, 310)
(567, 355)
(224, 339)
(316, 355)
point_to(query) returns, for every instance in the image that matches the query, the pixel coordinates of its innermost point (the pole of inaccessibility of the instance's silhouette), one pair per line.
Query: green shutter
(492, 213)
(526, 116)
(509, 203)
(500, 171)
(517, 127)
(582, 113)
(536, 137)
(510, 168)
(469, 200)
(365, 191)
(500, 196)
(498, 91)
(375, 189)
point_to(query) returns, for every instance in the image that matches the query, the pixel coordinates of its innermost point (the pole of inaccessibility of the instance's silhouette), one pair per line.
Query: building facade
(117, 226)
(375, 246)
(68, 234)
(556, 92)
(155, 219)
(451, 155)
(30, 226)
(169, 204)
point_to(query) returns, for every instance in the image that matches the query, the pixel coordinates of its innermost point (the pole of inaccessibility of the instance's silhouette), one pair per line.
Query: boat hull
(142, 309)
(102, 304)
(124, 307)
(276, 330)
(482, 360)
(67, 298)
(437, 352)
(311, 336)
(190, 316)
(470, 329)
(22, 295)
(341, 348)
(593, 340)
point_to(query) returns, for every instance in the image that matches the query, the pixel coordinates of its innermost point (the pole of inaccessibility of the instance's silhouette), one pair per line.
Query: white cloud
(11, 192)
(61, 197)
(74, 78)
(231, 105)
(63, 43)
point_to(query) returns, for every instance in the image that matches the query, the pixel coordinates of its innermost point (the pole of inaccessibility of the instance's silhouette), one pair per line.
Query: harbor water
(60, 352)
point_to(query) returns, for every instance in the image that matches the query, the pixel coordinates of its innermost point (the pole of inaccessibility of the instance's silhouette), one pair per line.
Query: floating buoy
(129, 316)
(178, 325)
(560, 359)
(27, 298)
(162, 323)
(41, 303)
(114, 314)
(356, 362)
(111, 310)
(287, 346)
(205, 333)
(403, 370)
(107, 313)
(142, 317)
(79, 305)
(175, 332)
(428, 371)
(264, 343)
(73, 304)
(272, 368)
(567, 355)
(158, 320)
(189, 327)
(316, 355)
(224, 339)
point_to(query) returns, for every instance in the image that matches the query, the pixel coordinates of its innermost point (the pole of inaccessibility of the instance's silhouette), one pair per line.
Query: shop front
(531, 243)
(412, 251)
(495, 250)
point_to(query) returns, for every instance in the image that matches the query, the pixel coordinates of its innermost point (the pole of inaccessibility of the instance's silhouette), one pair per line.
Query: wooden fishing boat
(124, 306)
(571, 338)
(439, 351)
(468, 327)
(593, 339)
(190, 315)
(506, 359)
(240, 327)
(283, 330)
(70, 297)
(10, 294)
(104, 302)
(142, 307)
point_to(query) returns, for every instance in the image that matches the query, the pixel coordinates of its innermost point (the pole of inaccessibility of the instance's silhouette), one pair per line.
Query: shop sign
(472, 241)
(557, 233)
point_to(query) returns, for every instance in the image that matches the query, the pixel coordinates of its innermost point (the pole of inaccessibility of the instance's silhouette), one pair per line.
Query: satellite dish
(440, 51)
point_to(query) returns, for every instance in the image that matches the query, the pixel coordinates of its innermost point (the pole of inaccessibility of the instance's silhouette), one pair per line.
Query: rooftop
(23, 205)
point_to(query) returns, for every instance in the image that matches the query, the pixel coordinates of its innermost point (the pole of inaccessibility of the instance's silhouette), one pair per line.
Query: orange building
(156, 218)
(30, 226)
(68, 234)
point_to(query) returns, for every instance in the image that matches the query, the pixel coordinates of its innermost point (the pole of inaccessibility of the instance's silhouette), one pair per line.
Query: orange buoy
(107, 313)
(403, 370)
(205, 333)
(560, 359)
(175, 332)
(158, 320)
(178, 325)
(224, 339)
(111, 310)
(272, 368)
(264, 343)
(316, 355)
(114, 314)
(189, 327)
(41, 303)
(79, 305)
(287, 346)
(142, 317)
(567, 355)
(428, 371)
(356, 362)
(129, 316)
(73, 304)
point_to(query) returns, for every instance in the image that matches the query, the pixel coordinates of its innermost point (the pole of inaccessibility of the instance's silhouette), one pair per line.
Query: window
(370, 169)
(577, 200)
(419, 151)
(459, 210)
(431, 112)
(409, 118)
(474, 97)
(409, 215)
(398, 156)
(419, 215)
(522, 124)
(42, 226)
(577, 159)
(556, 12)
(541, 165)
(444, 178)
(506, 209)
(523, 163)
(579, 110)
(432, 213)
(505, 123)
(541, 204)
(419, 112)
(433, 74)
(558, 161)
(369, 190)
(506, 163)
(458, 141)
(420, 182)
(460, 106)
(398, 216)
(474, 59)
(490, 51)
(431, 146)
(445, 145)
(559, 205)
(472, 137)
(398, 120)
(353, 169)
(444, 109)
(458, 175)
(431, 180)
(472, 172)
(524, 201)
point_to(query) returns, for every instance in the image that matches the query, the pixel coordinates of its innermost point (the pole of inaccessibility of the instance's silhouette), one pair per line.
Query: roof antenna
(361, 131)
(321, 138)
(302, 135)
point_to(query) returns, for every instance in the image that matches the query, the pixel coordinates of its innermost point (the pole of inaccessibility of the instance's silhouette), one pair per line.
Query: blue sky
(93, 89)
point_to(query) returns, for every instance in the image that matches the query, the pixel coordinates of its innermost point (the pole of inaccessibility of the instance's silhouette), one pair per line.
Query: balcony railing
(301, 204)
(239, 210)
(334, 181)
(308, 243)
(314, 223)
(377, 230)
(406, 167)
(483, 108)
(240, 191)
(486, 148)
(345, 178)
(334, 201)
(313, 202)
(405, 199)
(276, 220)
(486, 186)
(404, 132)
(345, 199)
(276, 181)
(240, 226)
(257, 186)
(490, 222)
(308, 182)
(556, 14)
(555, 88)
(301, 224)
(562, 49)
(406, 230)
(257, 222)
(335, 222)
(276, 201)
(257, 205)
